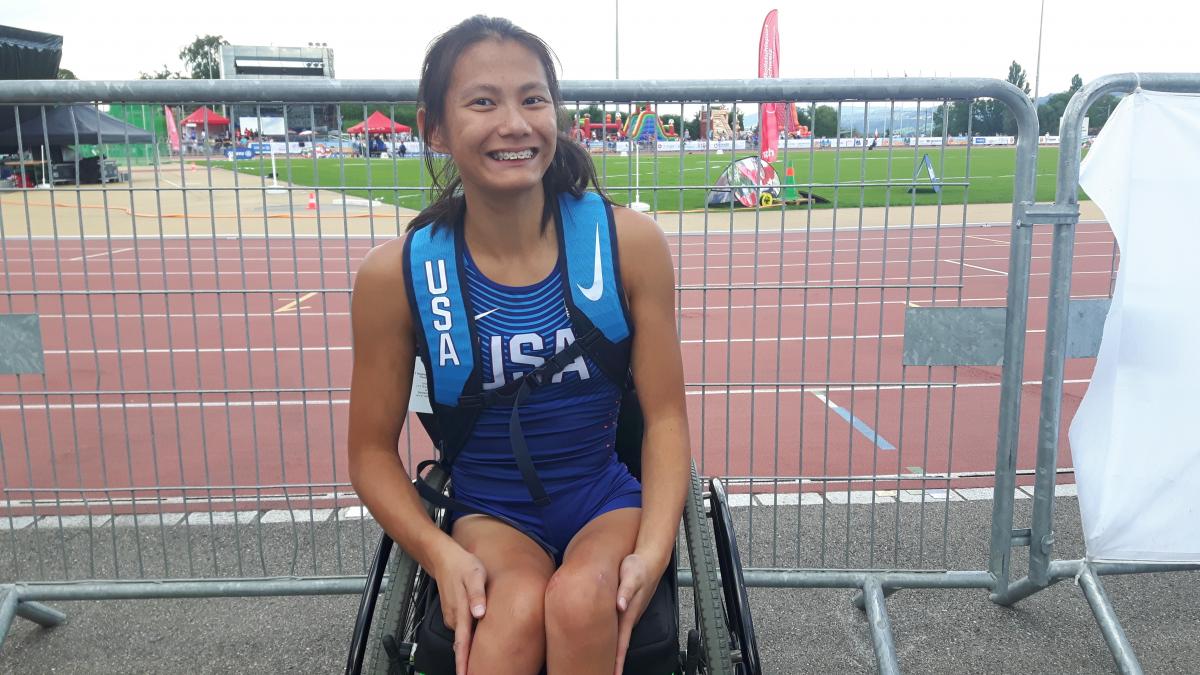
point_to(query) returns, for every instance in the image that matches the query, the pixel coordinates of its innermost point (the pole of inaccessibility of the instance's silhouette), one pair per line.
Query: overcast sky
(699, 39)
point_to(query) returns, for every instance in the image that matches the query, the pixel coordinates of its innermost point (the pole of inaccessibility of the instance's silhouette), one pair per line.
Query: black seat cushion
(653, 646)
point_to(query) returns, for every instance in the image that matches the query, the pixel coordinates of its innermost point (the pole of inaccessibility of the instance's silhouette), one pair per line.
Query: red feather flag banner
(768, 66)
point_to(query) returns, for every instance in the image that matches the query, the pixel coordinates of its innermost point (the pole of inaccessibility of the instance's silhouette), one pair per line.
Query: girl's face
(500, 124)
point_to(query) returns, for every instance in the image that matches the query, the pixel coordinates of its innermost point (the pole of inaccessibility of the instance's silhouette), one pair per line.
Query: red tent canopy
(378, 123)
(203, 115)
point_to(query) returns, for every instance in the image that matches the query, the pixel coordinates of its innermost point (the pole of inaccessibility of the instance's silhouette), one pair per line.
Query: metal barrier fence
(173, 386)
(1064, 336)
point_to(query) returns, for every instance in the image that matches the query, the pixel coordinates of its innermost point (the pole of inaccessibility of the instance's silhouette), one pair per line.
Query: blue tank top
(569, 424)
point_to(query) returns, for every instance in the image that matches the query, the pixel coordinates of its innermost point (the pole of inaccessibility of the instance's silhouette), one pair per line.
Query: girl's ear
(433, 138)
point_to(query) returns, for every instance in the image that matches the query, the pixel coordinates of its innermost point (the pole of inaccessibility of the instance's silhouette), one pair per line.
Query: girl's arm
(649, 280)
(384, 351)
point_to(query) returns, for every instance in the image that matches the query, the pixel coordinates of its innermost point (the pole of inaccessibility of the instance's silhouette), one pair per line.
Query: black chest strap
(512, 394)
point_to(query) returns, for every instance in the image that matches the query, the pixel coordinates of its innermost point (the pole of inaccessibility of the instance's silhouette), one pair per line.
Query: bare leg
(581, 598)
(511, 637)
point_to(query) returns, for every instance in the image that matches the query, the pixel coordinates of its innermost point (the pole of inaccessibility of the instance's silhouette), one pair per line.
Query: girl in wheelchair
(528, 307)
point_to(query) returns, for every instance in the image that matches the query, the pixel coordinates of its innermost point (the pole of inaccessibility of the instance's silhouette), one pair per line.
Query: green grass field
(670, 182)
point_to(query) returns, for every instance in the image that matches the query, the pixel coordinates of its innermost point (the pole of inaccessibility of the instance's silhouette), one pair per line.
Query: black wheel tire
(737, 602)
(706, 584)
(398, 617)
(395, 615)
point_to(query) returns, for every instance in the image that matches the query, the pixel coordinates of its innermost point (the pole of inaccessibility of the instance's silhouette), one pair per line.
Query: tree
(803, 118)
(956, 125)
(1050, 113)
(164, 73)
(64, 74)
(1100, 111)
(825, 122)
(203, 56)
(1008, 123)
(1016, 75)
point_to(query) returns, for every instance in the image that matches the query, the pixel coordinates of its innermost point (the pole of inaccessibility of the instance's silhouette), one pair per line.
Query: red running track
(217, 367)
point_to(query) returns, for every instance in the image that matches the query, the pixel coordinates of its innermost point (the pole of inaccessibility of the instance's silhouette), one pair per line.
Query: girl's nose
(514, 123)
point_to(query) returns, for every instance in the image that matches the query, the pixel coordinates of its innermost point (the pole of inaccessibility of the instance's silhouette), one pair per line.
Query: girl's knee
(516, 608)
(581, 599)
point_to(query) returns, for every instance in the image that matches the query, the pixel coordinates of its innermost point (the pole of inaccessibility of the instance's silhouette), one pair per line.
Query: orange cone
(312, 201)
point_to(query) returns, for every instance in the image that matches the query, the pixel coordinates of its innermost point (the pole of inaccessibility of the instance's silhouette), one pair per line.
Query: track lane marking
(859, 425)
(97, 255)
(312, 401)
(978, 267)
(295, 305)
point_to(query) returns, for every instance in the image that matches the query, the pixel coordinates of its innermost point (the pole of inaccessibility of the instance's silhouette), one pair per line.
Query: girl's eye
(482, 101)
(532, 100)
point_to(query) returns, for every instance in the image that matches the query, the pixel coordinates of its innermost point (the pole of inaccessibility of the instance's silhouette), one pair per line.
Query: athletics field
(838, 178)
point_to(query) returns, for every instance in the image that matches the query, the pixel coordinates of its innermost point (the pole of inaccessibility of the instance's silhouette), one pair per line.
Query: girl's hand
(461, 579)
(635, 588)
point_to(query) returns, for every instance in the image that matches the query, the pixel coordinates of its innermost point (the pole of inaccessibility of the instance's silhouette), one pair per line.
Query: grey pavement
(799, 631)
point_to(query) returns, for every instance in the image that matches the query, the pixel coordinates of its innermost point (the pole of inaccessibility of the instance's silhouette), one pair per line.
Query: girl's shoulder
(379, 297)
(641, 245)
(635, 230)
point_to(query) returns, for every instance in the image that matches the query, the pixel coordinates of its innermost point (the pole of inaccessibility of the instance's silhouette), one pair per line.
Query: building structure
(254, 62)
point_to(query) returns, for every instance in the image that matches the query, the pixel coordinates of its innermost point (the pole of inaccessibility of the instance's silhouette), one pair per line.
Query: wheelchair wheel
(715, 653)
(737, 602)
(400, 614)
(402, 608)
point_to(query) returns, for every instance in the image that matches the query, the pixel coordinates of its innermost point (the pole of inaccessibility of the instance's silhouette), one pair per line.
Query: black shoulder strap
(446, 336)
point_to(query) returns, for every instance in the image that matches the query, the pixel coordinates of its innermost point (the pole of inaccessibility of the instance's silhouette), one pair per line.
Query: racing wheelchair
(402, 632)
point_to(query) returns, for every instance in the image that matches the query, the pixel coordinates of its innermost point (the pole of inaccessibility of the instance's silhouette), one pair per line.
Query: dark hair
(571, 170)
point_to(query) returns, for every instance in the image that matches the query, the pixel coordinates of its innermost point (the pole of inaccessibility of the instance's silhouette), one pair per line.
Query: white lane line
(985, 269)
(713, 248)
(284, 267)
(346, 348)
(689, 308)
(316, 401)
(96, 255)
(351, 513)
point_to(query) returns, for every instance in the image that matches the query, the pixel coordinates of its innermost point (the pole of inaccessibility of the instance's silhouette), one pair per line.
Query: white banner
(271, 126)
(1134, 440)
(993, 140)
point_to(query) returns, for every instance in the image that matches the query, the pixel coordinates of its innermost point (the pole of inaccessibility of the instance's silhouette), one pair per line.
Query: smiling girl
(534, 307)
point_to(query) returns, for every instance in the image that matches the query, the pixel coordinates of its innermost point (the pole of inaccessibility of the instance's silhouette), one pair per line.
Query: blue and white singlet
(569, 423)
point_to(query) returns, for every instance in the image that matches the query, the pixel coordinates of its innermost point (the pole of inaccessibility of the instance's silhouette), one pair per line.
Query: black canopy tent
(26, 55)
(66, 125)
(72, 125)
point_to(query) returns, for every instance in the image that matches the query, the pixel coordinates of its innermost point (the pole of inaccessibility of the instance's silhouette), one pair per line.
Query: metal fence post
(1043, 570)
(208, 570)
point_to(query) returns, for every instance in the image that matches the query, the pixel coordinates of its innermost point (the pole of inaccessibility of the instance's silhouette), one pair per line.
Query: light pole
(1037, 72)
(617, 35)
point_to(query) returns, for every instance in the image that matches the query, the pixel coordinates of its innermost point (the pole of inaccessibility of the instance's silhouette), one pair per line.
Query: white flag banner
(1135, 440)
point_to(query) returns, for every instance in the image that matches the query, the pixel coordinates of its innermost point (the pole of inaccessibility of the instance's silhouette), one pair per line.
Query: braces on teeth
(524, 154)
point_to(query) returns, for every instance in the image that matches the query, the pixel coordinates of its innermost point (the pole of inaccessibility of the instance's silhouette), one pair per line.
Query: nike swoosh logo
(483, 314)
(596, 290)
